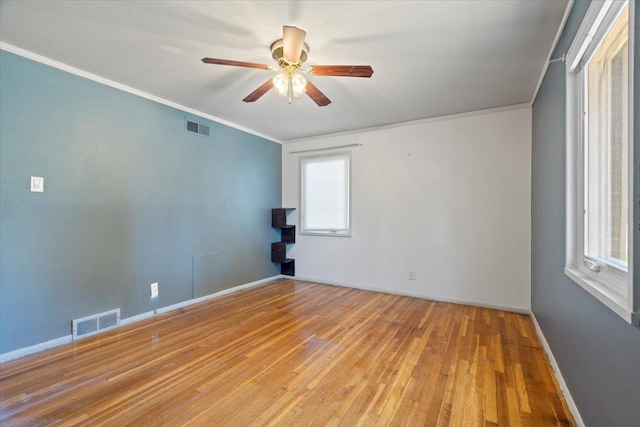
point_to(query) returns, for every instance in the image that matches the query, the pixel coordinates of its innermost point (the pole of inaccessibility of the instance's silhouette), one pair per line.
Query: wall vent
(197, 128)
(95, 323)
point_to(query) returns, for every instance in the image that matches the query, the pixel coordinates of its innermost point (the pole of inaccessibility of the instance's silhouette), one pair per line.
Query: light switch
(37, 184)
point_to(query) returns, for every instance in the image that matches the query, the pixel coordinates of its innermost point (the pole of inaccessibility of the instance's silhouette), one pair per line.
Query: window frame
(610, 285)
(334, 233)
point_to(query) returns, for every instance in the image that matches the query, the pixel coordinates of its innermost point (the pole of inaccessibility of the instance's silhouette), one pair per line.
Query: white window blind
(325, 198)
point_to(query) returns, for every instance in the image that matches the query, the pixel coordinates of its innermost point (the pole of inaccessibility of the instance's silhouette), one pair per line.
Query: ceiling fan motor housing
(277, 52)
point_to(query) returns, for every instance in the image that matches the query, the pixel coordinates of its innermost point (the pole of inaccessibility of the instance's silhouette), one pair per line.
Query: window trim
(594, 27)
(347, 233)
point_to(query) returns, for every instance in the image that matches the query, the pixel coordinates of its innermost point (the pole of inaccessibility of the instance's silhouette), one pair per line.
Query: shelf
(279, 217)
(288, 268)
(287, 237)
(279, 252)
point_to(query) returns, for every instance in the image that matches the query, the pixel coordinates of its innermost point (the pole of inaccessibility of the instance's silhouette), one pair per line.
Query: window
(325, 187)
(599, 158)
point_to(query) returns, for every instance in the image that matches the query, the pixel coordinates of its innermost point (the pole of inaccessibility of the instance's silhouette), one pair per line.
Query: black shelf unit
(287, 236)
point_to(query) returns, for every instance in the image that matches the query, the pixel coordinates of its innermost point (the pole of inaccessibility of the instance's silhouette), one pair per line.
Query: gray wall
(597, 351)
(130, 198)
(636, 154)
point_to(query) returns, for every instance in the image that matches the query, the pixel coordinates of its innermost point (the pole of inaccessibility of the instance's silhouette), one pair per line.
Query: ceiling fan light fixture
(281, 84)
(298, 84)
(286, 85)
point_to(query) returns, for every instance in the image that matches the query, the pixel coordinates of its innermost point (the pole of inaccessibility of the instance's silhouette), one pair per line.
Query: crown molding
(108, 82)
(543, 72)
(413, 122)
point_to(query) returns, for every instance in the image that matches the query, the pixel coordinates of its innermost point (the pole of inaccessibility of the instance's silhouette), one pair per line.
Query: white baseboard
(35, 348)
(168, 308)
(68, 338)
(514, 309)
(556, 371)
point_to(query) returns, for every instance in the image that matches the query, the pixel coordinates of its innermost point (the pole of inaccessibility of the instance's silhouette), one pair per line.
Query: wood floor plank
(293, 353)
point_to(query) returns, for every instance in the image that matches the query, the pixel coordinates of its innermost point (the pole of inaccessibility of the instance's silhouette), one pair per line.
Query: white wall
(449, 199)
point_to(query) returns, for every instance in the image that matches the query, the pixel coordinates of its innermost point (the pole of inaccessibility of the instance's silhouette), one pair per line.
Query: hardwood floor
(295, 353)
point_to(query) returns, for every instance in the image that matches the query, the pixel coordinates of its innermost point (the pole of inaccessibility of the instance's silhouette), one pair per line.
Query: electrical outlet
(154, 290)
(412, 275)
(37, 184)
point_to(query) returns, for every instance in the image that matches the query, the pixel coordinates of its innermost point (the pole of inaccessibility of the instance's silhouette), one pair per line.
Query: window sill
(325, 233)
(606, 296)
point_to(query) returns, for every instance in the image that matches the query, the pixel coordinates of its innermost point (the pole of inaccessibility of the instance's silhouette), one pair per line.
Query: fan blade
(256, 94)
(292, 43)
(236, 63)
(341, 70)
(317, 96)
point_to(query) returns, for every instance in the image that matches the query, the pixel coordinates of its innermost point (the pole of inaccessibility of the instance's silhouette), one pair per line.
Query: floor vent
(198, 128)
(91, 325)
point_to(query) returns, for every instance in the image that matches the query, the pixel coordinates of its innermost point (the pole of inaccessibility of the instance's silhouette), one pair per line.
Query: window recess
(600, 157)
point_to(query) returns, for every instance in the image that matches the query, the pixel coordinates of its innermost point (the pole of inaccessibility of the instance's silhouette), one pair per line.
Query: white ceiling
(430, 58)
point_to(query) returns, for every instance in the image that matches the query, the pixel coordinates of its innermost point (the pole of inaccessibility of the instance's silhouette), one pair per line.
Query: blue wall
(597, 351)
(130, 199)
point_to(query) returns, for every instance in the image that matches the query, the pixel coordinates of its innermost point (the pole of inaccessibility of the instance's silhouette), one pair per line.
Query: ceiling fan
(291, 52)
